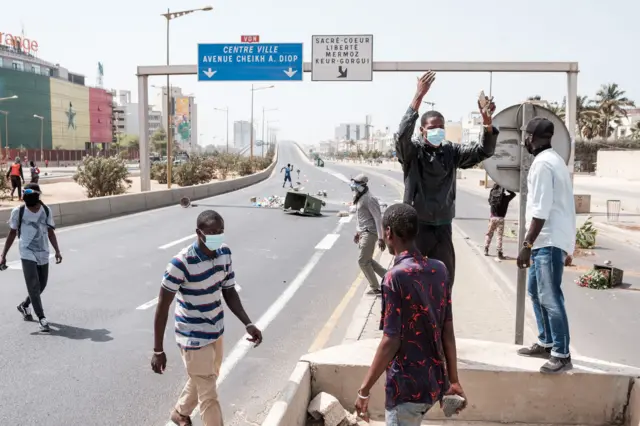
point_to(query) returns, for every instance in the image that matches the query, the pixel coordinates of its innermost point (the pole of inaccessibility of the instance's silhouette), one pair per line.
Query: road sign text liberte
(342, 58)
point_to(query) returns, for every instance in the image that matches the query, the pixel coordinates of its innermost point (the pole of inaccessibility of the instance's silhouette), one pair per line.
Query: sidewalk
(482, 309)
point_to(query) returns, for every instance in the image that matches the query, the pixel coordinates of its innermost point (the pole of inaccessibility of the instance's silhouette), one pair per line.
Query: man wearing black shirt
(429, 164)
(499, 203)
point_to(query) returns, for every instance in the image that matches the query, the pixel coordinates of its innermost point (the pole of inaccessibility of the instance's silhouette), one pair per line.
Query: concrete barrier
(501, 387)
(83, 211)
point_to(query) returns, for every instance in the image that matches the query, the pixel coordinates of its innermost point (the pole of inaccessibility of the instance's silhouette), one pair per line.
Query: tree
(611, 102)
(635, 131)
(159, 141)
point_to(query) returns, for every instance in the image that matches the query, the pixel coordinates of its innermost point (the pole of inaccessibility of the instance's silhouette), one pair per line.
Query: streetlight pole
(226, 111)
(263, 111)
(255, 89)
(169, 16)
(41, 118)
(6, 139)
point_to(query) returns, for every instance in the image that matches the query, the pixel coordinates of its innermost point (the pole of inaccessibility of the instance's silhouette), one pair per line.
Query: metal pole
(262, 132)
(486, 175)
(227, 110)
(42, 139)
(571, 116)
(525, 164)
(251, 129)
(143, 117)
(169, 131)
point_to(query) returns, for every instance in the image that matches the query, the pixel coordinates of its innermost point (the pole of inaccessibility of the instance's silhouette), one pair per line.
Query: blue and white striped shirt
(198, 281)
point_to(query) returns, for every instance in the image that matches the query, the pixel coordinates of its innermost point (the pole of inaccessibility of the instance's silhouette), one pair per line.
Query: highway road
(94, 367)
(604, 325)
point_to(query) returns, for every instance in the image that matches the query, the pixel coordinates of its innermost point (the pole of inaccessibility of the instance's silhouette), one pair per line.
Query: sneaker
(535, 351)
(556, 365)
(500, 255)
(375, 291)
(486, 251)
(26, 312)
(44, 325)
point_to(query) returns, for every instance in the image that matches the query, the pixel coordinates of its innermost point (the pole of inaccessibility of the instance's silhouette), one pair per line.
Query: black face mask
(31, 200)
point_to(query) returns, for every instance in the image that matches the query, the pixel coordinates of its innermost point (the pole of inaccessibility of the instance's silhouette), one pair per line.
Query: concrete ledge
(501, 386)
(83, 211)
(291, 408)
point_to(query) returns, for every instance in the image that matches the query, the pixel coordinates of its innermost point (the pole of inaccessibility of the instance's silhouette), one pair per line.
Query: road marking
(148, 304)
(327, 242)
(176, 242)
(346, 219)
(17, 264)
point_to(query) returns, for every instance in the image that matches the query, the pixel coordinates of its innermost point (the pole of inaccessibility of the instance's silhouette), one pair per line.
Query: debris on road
(343, 214)
(272, 202)
(322, 193)
(327, 407)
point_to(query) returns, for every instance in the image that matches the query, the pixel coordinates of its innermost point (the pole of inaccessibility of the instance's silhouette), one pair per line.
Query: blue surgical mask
(435, 136)
(356, 187)
(214, 242)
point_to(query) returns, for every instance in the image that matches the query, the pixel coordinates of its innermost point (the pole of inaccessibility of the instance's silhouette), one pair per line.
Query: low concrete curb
(291, 408)
(79, 212)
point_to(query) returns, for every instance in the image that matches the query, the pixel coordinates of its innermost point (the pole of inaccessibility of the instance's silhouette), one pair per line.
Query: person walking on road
(17, 178)
(551, 236)
(35, 172)
(33, 225)
(368, 231)
(418, 347)
(287, 175)
(499, 204)
(429, 165)
(201, 275)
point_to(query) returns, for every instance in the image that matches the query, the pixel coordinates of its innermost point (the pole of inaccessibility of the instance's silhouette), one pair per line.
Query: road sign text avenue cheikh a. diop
(250, 62)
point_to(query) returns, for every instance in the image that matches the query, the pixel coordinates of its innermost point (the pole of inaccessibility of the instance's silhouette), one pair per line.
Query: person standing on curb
(499, 204)
(368, 231)
(429, 164)
(35, 172)
(418, 347)
(551, 236)
(17, 178)
(201, 275)
(33, 225)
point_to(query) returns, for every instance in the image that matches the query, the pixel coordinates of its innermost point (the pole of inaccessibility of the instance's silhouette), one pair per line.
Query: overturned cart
(304, 204)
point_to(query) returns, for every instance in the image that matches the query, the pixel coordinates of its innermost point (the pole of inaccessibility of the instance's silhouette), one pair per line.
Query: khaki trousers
(203, 367)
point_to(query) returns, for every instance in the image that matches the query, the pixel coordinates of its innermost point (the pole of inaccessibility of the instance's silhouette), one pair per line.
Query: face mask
(213, 242)
(435, 136)
(357, 187)
(31, 200)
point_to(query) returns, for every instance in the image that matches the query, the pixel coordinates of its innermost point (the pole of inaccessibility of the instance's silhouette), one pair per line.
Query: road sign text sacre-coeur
(250, 62)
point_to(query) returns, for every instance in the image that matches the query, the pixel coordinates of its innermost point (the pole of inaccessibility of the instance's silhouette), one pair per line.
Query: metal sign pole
(525, 164)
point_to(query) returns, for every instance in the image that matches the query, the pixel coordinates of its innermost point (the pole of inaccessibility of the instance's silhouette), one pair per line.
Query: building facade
(352, 131)
(242, 134)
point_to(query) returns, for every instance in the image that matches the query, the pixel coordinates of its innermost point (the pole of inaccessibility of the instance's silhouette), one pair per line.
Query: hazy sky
(123, 34)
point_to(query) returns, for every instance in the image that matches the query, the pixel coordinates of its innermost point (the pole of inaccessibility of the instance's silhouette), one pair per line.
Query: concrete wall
(291, 408)
(633, 410)
(77, 212)
(618, 164)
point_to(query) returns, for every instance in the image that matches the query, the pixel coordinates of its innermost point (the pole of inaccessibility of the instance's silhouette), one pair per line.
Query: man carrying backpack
(34, 227)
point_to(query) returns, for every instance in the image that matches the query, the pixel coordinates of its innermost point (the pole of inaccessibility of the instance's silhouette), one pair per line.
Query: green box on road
(302, 203)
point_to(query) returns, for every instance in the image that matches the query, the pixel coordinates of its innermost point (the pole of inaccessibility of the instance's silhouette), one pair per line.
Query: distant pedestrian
(287, 175)
(499, 204)
(418, 347)
(298, 171)
(551, 236)
(33, 225)
(46, 164)
(35, 172)
(201, 275)
(368, 231)
(17, 178)
(429, 164)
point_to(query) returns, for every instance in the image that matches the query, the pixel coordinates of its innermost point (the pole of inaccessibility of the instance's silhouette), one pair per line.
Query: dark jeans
(16, 183)
(545, 281)
(35, 276)
(436, 242)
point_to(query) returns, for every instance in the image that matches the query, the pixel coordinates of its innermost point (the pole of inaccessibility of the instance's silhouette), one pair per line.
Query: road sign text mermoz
(341, 50)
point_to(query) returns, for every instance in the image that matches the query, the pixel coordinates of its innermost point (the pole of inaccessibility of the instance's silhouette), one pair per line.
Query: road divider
(95, 209)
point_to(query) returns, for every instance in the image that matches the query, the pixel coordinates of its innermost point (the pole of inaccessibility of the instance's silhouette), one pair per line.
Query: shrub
(159, 173)
(102, 176)
(193, 172)
(246, 166)
(586, 235)
(5, 186)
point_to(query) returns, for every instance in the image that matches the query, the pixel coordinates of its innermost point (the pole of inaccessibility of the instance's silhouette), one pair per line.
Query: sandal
(179, 419)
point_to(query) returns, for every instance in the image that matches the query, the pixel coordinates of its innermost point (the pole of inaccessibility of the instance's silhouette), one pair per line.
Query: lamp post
(6, 132)
(41, 118)
(255, 89)
(270, 131)
(263, 111)
(169, 16)
(226, 111)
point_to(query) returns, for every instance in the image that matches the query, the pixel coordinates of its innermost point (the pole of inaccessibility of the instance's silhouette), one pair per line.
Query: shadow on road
(77, 333)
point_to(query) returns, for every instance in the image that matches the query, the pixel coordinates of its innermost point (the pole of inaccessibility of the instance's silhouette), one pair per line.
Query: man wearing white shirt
(550, 238)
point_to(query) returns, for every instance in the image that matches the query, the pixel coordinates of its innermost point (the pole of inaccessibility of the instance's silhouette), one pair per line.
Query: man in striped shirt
(200, 274)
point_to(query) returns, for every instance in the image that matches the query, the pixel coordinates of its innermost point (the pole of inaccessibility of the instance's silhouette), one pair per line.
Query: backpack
(21, 214)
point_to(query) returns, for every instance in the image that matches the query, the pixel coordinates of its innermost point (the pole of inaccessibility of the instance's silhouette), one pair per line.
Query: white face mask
(357, 187)
(214, 242)
(435, 136)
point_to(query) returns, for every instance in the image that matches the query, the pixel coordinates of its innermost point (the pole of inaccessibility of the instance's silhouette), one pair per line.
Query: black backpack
(21, 214)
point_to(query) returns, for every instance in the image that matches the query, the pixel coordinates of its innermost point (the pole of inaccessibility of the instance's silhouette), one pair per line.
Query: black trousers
(16, 183)
(436, 242)
(36, 277)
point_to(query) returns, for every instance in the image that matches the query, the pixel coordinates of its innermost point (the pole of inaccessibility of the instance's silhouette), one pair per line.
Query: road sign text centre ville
(250, 62)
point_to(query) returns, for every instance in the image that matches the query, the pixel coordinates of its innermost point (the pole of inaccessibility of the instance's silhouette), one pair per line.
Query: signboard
(250, 62)
(182, 120)
(18, 42)
(342, 58)
(250, 39)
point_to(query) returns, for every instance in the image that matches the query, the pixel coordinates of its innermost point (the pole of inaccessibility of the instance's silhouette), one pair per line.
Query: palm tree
(611, 102)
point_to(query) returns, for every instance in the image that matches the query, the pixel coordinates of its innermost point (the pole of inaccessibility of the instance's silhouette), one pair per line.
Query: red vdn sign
(250, 39)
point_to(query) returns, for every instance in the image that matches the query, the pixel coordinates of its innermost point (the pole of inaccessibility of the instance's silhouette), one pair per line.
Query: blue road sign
(250, 62)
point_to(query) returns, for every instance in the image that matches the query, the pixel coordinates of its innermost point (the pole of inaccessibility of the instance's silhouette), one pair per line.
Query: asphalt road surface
(94, 367)
(604, 325)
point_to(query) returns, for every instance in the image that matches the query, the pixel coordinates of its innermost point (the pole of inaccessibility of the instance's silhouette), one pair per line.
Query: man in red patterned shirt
(418, 348)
